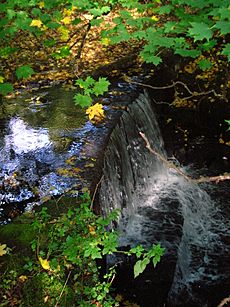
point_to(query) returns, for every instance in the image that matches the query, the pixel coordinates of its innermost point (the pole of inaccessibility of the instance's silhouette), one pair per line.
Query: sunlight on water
(22, 139)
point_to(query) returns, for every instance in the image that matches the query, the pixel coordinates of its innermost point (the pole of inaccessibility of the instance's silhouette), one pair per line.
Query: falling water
(158, 205)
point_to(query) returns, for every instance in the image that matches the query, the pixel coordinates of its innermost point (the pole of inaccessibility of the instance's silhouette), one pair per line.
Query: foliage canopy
(188, 28)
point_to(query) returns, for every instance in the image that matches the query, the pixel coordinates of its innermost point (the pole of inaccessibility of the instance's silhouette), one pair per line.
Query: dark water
(44, 145)
(158, 205)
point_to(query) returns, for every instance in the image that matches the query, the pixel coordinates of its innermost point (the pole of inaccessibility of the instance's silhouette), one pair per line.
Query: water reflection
(22, 138)
(36, 143)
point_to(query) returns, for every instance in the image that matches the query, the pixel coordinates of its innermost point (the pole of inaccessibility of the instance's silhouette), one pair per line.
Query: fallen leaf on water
(96, 113)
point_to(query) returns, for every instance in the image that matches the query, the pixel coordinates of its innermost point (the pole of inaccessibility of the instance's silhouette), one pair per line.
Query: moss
(19, 233)
(45, 290)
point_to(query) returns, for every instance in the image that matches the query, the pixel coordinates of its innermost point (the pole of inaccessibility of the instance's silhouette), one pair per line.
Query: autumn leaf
(105, 41)
(36, 23)
(2, 249)
(96, 113)
(66, 20)
(44, 263)
(41, 4)
(91, 230)
(1, 79)
(154, 18)
(22, 278)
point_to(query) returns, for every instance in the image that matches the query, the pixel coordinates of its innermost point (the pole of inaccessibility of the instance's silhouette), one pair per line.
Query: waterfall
(158, 205)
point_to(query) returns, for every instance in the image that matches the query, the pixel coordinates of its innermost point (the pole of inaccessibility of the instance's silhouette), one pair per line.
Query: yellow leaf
(41, 4)
(105, 41)
(2, 249)
(91, 230)
(67, 12)
(22, 278)
(36, 23)
(221, 141)
(44, 263)
(154, 18)
(96, 112)
(66, 20)
(1, 79)
(64, 32)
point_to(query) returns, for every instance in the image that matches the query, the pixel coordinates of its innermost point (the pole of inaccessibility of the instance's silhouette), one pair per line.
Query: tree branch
(215, 179)
(192, 94)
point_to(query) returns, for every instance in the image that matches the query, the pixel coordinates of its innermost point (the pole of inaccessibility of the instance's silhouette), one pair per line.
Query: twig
(83, 40)
(95, 191)
(192, 94)
(224, 302)
(215, 179)
(162, 159)
(63, 289)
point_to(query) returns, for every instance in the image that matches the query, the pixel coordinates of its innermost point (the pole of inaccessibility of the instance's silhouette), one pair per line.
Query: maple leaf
(154, 18)
(2, 249)
(199, 31)
(101, 86)
(44, 263)
(24, 71)
(36, 23)
(96, 113)
(41, 4)
(105, 41)
(66, 20)
(22, 278)
(226, 51)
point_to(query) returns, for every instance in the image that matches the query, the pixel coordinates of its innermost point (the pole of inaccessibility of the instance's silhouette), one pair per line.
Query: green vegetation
(50, 28)
(63, 268)
(67, 40)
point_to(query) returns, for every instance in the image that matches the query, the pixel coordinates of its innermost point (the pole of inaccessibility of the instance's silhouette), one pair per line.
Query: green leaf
(11, 14)
(82, 100)
(137, 250)
(151, 58)
(204, 64)
(228, 122)
(49, 42)
(188, 53)
(170, 27)
(140, 266)
(200, 31)
(226, 51)
(165, 9)
(209, 45)
(6, 88)
(101, 86)
(110, 244)
(36, 12)
(88, 82)
(7, 51)
(99, 11)
(76, 21)
(223, 26)
(24, 72)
